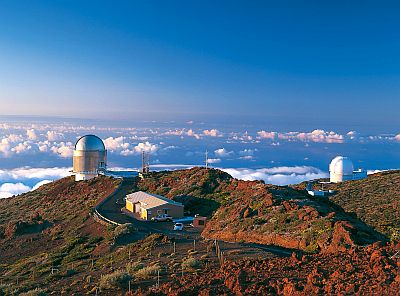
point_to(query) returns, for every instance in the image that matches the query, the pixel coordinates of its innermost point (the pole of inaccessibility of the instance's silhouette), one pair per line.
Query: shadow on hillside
(196, 205)
(364, 234)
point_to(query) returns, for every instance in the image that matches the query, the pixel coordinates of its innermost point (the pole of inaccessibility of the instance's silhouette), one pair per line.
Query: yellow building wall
(143, 213)
(129, 206)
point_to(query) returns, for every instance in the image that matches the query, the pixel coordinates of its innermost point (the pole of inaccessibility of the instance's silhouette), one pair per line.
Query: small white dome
(90, 143)
(341, 165)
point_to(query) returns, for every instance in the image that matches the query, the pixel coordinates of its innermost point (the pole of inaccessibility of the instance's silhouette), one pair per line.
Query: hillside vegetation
(50, 227)
(375, 200)
(50, 241)
(254, 212)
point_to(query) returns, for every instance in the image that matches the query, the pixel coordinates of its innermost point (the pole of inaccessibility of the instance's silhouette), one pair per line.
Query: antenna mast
(145, 162)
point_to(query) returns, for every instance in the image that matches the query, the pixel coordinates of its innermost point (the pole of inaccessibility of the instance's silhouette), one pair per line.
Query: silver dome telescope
(90, 158)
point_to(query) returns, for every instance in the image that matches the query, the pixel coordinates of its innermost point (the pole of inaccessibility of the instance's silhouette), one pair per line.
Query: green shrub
(191, 263)
(35, 292)
(147, 272)
(117, 279)
(69, 272)
(395, 233)
(132, 267)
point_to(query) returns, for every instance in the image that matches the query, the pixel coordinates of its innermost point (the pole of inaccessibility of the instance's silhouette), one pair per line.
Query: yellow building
(147, 206)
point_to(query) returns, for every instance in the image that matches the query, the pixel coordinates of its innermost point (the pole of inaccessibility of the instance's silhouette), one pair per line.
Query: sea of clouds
(32, 154)
(21, 180)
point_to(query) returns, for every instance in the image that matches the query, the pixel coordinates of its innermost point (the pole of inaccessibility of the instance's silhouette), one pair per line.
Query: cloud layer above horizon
(278, 157)
(21, 180)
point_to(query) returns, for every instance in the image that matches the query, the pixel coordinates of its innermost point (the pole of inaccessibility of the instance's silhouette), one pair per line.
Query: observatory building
(90, 158)
(342, 169)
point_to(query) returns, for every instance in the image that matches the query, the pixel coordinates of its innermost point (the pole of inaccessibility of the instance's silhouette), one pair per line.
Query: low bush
(34, 292)
(191, 263)
(147, 272)
(118, 279)
(132, 267)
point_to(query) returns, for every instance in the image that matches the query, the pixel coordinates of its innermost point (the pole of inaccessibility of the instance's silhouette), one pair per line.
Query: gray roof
(90, 143)
(148, 200)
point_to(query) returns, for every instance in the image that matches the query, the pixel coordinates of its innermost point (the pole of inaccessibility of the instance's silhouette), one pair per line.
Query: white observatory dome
(341, 165)
(90, 143)
(341, 169)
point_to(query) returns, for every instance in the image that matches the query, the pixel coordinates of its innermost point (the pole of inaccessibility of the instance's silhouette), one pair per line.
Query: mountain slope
(374, 200)
(251, 211)
(50, 240)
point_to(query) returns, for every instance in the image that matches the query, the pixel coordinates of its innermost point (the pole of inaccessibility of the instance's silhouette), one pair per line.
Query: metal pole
(158, 279)
(194, 245)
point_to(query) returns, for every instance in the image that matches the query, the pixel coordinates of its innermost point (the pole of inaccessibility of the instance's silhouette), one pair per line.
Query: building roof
(90, 143)
(148, 200)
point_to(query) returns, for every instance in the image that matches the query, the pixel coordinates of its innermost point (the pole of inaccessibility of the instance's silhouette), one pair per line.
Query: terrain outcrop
(260, 239)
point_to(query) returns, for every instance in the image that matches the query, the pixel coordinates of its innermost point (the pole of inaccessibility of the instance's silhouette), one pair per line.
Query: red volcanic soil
(362, 271)
(254, 212)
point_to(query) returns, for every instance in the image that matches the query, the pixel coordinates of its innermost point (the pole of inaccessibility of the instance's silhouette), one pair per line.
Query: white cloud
(191, 133)
(5, 147)
(242, 137)
(278, 175)
(21, 147)
(10, 189)
(267, 135)
(214, 160)
(222, 152)
(146, 147)
(53, 136)
(318, 136)
(247, 152)
(43, 182)
(21, 180)
(64, 150)
(26, 173)
(116, 143)
(212, 133)
(139, 148)
(397, 137)
(31, 134)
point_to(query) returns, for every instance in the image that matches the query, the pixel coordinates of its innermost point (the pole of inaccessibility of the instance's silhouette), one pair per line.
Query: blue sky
(272, 89)
(283, 64)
